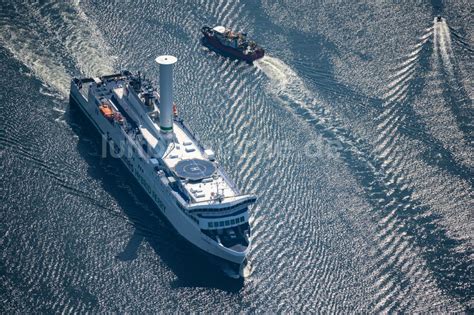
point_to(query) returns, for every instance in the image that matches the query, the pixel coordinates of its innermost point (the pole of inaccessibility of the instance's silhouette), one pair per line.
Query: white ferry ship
(182, 177)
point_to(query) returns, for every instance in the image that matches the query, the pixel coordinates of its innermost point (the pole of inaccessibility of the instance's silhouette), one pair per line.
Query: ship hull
(216, 44)
(164, 202)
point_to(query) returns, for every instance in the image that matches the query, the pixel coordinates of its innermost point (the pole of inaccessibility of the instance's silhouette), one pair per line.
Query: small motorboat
(234, 44)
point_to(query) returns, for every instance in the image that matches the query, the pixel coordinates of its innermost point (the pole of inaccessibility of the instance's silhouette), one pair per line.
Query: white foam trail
(20, 43)
(442, 44)
(424, 37)
(415, 52)
(447, 51)
(59, 110)
(285, 83)
(435, 45)
(409, 61)
(275, 69)
(86, 44)
(395, 86)
(403, 71)
(44, 44)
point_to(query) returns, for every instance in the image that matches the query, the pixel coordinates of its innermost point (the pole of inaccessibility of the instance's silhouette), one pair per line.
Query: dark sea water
(355, 131)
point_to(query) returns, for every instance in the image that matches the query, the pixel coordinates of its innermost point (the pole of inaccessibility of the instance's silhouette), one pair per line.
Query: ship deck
(182, 145)
(187, 147)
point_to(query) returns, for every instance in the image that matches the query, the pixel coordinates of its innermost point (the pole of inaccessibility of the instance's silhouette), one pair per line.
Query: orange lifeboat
(106, 111)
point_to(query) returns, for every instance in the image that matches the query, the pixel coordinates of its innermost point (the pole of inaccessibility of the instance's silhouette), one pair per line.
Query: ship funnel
(166, 92)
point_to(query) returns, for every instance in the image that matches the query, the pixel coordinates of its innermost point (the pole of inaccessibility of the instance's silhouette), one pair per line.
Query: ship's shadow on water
(192, 267)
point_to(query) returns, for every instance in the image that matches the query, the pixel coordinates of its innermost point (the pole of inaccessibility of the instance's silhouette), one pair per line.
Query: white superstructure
(181, 176)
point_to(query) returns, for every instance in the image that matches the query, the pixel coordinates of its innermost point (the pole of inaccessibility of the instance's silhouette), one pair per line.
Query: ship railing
(221, 206)
(218, 204)
(83, 80)
(82, 86)
(227, 179)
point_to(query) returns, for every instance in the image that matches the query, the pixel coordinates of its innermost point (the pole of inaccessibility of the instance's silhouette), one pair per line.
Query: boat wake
(451, 103)
(284, 81)
(381, 170)
(397, 92)
(442, 45)
(69, 41)
(288, 88)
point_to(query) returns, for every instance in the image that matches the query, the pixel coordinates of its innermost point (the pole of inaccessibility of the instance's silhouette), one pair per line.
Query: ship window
(232, 221)
(209, 224)
(227, 222)
(241, 219)
(221, 223)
